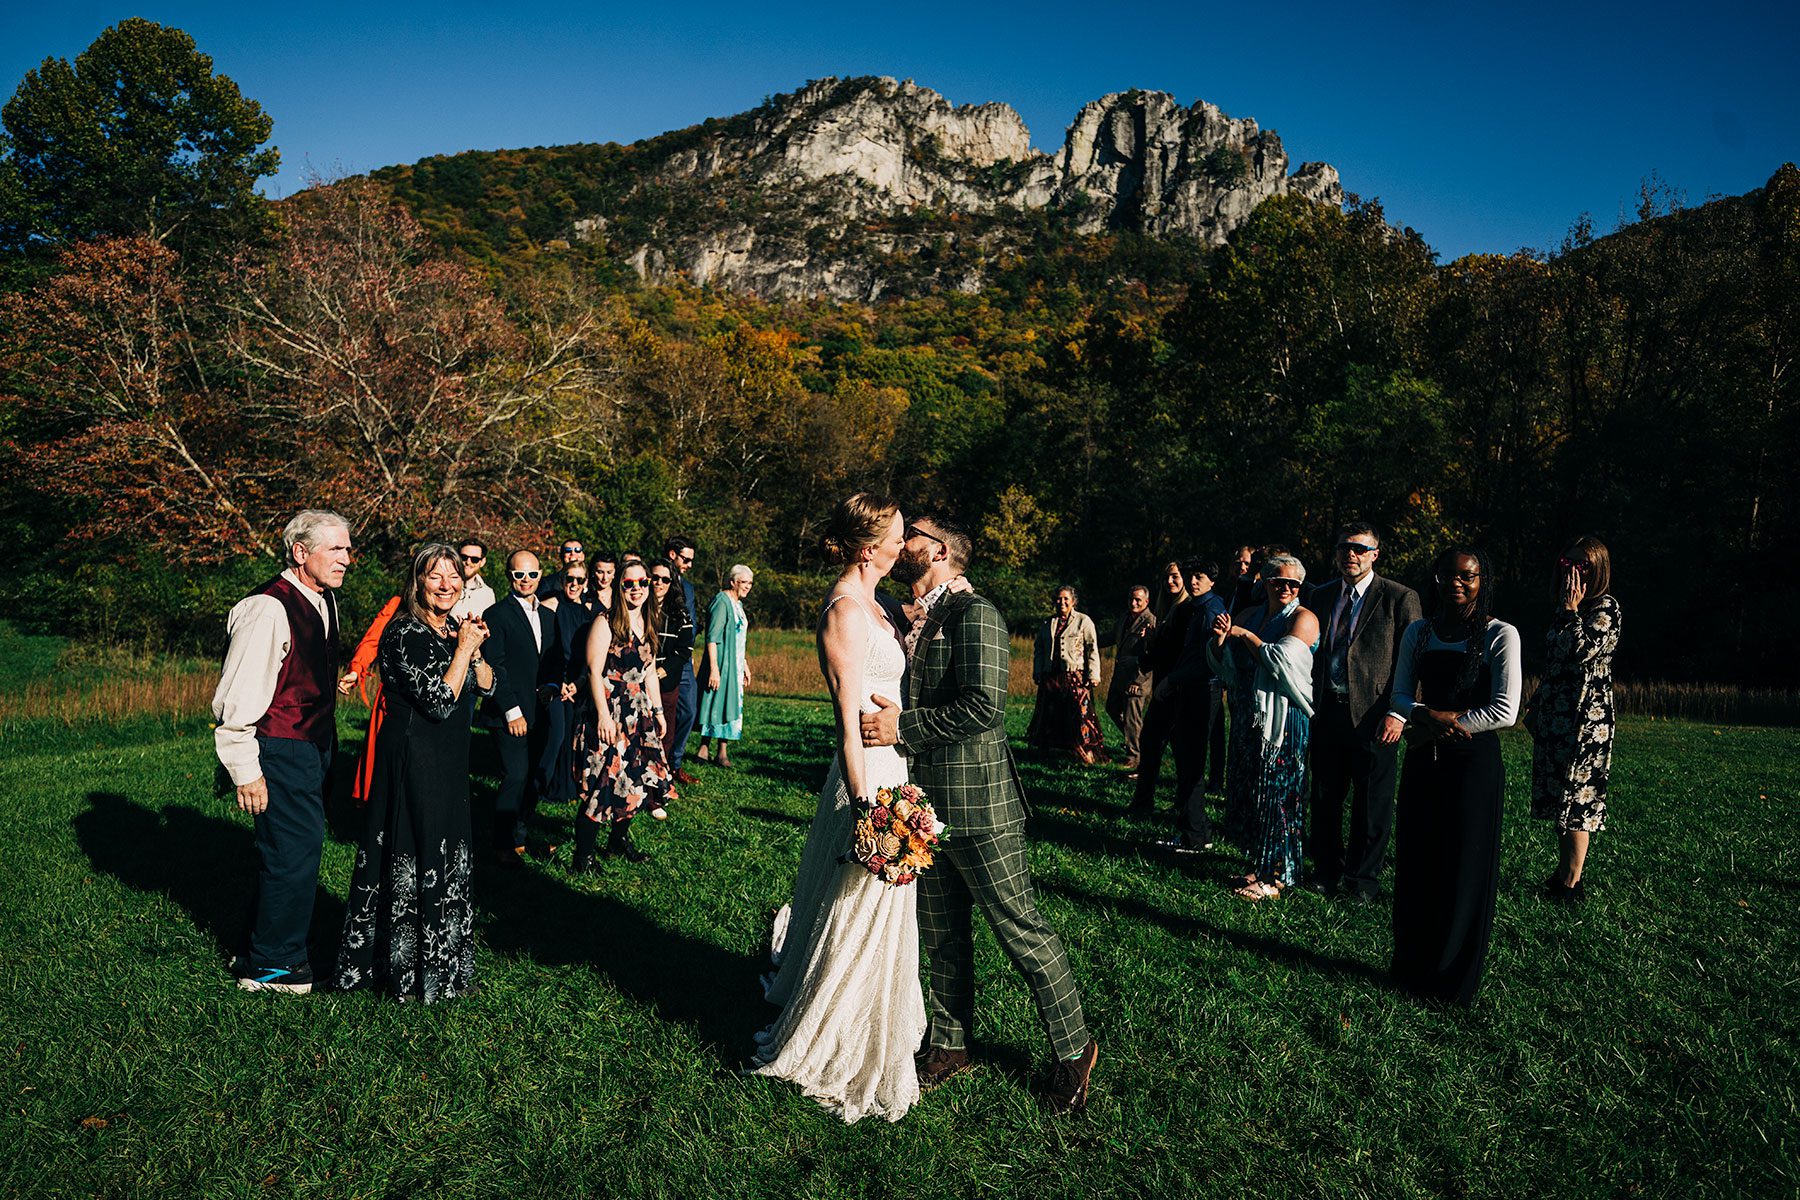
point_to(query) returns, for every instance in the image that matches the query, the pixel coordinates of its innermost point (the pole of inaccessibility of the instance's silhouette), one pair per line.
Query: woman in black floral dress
(1571, 716)
(622, 737)
(409, 930)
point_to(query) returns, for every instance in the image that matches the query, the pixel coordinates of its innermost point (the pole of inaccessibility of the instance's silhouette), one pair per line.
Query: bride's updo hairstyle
(859, 522)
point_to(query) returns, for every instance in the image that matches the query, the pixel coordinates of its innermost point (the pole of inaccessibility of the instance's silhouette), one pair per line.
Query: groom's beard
(910, 567)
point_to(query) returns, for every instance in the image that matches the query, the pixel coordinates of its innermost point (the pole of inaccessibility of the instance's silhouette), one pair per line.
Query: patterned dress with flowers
(846, 949)
(409, 924)
(1571, 719)
(619, 779)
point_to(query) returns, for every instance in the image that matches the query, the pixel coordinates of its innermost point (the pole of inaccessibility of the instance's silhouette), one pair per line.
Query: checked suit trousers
(986, 869)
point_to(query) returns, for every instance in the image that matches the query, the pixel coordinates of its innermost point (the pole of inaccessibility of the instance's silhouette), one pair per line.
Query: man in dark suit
(678, 552)
(1355, 742)
(518, 632)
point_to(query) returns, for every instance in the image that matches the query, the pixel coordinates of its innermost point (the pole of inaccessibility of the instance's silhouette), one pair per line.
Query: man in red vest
(276, 709)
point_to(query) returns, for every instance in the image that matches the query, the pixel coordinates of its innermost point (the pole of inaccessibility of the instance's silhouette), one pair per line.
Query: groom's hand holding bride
(881, 727)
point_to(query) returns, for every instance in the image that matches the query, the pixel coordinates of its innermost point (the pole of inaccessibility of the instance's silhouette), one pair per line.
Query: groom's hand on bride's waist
(881, 727)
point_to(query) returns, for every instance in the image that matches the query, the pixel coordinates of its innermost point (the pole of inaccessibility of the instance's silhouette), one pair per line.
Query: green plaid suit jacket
(953, 727)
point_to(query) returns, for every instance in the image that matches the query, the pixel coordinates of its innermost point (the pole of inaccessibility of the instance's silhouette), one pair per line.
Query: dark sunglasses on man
(1355, 548)
(472, 558)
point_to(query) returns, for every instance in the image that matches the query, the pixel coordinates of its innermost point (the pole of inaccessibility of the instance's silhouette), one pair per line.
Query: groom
(953, 732)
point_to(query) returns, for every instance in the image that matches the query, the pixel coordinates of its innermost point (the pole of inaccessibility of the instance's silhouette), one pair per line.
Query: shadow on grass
(1273, 949)
(538, 915)
(204, 863)
(769, 814)
(207, 864)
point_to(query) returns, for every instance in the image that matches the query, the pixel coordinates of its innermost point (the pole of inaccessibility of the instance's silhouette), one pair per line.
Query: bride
(846, 949)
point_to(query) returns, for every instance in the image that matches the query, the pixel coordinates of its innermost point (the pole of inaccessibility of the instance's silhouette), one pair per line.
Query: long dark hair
(1441, 566)
(620, 616)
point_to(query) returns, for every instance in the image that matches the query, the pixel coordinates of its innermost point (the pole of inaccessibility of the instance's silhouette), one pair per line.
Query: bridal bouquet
(895, 835)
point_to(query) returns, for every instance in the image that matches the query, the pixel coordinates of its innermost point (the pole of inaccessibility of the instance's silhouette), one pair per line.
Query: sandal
(1259, 891)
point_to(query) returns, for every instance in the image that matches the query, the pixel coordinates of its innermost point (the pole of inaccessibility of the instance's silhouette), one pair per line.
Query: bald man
(514, 714)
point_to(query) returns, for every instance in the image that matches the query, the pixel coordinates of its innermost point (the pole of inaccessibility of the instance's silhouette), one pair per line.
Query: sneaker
(938, 1065)
(660, 813)
(1068, 1088)
(1183, 846)
(294, 980)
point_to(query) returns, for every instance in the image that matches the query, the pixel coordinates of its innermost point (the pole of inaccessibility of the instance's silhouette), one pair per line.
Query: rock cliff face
(855, 188)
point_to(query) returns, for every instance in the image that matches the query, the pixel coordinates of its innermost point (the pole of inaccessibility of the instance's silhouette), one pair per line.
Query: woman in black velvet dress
(1456, 684)
(409, 928)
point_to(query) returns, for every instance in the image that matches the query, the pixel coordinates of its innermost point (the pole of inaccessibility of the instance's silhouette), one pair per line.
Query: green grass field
(1644, 1044)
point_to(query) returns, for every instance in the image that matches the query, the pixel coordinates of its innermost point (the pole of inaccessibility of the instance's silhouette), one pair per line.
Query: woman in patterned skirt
(1265, 655)
(1571, 715)
(410, 925)
(622, 739)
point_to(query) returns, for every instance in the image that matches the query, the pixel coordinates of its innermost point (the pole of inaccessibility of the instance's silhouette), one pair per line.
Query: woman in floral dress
(1265, 656)
(1571, 716)
(622, 738)
(409, 928)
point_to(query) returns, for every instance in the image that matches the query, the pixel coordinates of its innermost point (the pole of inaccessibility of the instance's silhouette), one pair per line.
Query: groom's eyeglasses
(913, 531)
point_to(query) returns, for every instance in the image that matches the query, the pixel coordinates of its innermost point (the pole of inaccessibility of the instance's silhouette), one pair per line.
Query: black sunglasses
(1282, 584)
(568, 579)
(1460, 576)
(665, 580)
(1578, 564)
(526, 574)
(1356, 548)
(472, 558)
(913, 531)
(635, 583)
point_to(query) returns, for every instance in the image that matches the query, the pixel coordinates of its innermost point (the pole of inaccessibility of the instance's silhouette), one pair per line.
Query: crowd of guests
(586, 684)
(1323, 683)
(584, 680)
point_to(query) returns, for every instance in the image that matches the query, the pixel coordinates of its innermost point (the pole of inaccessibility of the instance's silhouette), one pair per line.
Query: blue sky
(1486, 127)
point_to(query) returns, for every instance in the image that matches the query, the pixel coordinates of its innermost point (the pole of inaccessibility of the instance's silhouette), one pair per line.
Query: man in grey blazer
(1355, 743)
(953, 732)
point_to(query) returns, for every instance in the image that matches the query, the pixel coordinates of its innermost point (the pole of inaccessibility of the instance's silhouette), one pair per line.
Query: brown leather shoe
(682, 777)
(1068, 1088)
(938, 1065)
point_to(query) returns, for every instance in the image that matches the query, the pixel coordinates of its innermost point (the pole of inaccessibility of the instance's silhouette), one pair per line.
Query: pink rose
(879, 816)
(920, 823)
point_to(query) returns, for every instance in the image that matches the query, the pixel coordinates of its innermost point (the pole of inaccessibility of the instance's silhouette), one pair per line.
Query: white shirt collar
(529, 603)
(317, 598)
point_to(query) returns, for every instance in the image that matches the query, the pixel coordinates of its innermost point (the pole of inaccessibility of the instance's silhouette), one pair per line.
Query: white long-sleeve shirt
(1502, 654)
(260, 641)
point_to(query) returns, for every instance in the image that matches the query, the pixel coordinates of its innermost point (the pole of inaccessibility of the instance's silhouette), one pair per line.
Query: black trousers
(1215, 774)
(1350, 760)
(290, 834)
(1153, 739)
(516, 802)
(1190, 737)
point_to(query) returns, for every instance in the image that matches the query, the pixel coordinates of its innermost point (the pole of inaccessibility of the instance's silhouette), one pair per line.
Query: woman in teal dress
(725, 672)
(1264, 655)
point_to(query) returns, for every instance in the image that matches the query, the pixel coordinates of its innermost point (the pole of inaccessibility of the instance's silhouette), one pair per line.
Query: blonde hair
(858, 522)
(427, 557)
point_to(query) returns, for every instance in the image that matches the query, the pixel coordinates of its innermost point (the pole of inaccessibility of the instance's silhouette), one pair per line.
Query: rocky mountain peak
(795, 176)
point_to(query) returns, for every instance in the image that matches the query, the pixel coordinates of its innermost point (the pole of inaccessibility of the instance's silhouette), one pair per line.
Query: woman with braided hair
(1456, 684)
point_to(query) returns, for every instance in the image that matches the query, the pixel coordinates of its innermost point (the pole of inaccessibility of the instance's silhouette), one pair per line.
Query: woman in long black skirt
(1457, 683)
(409, 926)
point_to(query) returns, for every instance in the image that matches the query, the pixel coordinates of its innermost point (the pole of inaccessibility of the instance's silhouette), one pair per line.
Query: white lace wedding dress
(846, 949)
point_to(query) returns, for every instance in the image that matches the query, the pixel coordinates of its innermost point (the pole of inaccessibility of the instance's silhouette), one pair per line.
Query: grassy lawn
(1642, 1045)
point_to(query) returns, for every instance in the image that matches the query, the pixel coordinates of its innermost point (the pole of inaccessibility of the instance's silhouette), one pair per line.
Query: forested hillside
(433, 350)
